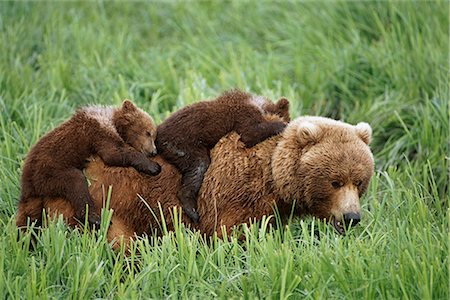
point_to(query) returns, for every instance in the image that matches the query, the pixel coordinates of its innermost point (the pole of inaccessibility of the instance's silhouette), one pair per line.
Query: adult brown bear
(322, 165)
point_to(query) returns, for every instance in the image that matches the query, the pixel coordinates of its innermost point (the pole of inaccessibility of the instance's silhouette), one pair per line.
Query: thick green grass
(385, 63)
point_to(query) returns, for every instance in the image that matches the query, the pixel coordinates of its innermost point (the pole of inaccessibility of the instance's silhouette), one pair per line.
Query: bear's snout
(346, 210)
(352, 218)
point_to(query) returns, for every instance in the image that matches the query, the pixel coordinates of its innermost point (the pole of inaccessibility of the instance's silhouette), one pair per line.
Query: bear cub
(186, 137)
(121, 136)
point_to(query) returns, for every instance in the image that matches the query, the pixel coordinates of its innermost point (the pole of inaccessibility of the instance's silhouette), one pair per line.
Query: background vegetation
(381, 62)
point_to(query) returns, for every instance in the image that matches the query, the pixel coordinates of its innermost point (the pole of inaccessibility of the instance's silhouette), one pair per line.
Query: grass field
(385, 63)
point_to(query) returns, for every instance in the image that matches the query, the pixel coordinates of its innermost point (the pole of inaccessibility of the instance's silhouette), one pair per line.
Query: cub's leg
(193, 172)
(118, 155)
(71, 185)
(256, 129)
(29, 211)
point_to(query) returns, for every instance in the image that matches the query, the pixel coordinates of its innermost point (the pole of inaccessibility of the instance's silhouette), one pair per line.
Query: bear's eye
(149, 134)
(359, 183)
(336, 184)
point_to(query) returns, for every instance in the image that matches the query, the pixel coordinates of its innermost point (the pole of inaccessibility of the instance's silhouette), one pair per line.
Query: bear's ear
(308, 133)
(364, 132)
(128, 106)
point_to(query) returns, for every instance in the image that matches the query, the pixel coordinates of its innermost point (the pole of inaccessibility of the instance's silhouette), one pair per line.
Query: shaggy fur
(186, 137)
(53, 167)
(301, 166)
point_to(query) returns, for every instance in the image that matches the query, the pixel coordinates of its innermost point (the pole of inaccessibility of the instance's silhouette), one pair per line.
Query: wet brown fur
(187, 136)
(53, 168)
(241, 184)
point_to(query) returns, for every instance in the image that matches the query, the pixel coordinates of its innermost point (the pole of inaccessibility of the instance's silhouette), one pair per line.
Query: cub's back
(204, 122)
(69, 144)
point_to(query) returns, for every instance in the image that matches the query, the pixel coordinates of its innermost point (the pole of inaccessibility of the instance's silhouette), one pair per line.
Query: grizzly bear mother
(317, 166)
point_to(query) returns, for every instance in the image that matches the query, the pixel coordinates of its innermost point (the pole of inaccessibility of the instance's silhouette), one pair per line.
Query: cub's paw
(148, 167)
(153, 168)
(94, 220)
(192, 214)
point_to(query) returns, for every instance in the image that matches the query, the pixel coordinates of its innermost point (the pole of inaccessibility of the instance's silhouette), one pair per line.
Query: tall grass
(381, 62)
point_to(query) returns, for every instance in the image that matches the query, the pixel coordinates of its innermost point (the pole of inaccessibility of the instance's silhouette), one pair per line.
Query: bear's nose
(352, 218)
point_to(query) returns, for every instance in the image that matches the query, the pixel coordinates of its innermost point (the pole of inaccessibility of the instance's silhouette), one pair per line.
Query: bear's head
(325, 166)
(136, 127)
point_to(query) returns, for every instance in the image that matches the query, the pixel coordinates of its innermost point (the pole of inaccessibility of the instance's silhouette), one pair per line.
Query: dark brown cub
(186, 137)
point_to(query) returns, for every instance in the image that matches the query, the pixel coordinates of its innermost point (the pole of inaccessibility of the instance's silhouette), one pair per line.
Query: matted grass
(385, 63)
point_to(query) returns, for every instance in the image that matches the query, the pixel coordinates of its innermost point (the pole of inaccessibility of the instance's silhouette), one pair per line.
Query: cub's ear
(364, 132)
(283, 104)
(127, 105)
(308, 133)
(282, 107)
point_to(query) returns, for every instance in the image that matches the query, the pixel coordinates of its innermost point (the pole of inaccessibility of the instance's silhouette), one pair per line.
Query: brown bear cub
(120, 136)
(186, 137)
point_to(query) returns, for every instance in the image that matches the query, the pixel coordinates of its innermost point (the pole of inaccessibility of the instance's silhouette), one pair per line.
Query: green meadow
(385, 63)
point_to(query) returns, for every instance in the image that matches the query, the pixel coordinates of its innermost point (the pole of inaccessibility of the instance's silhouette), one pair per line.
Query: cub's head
(279, 109)
(326, 166)
(136, 127)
